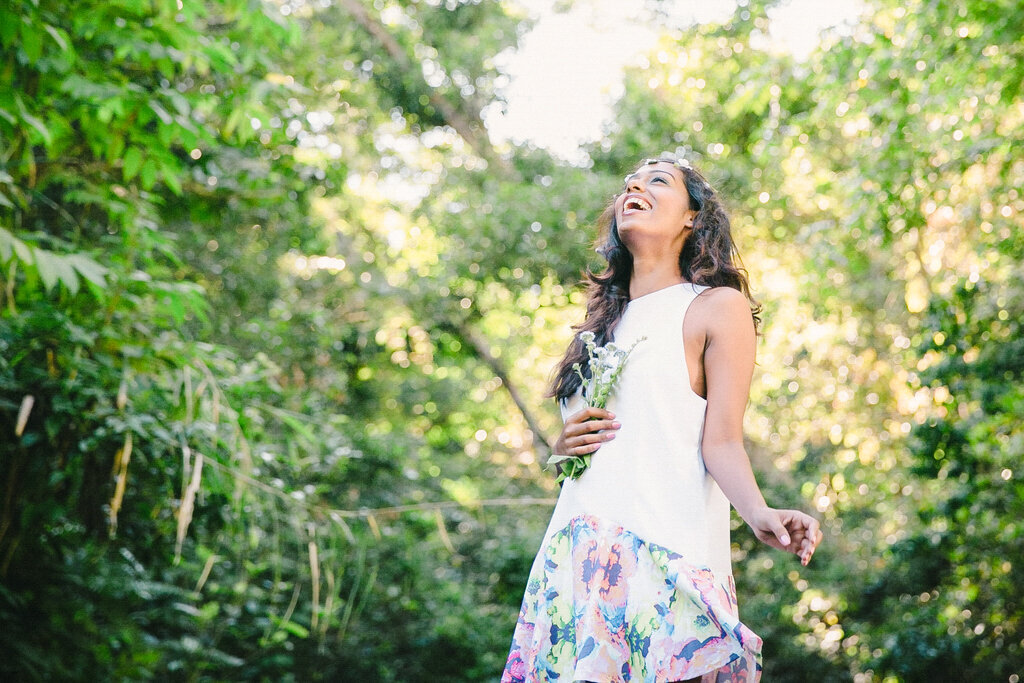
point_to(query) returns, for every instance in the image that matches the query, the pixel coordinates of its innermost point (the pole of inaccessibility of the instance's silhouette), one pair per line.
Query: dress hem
(606, 606)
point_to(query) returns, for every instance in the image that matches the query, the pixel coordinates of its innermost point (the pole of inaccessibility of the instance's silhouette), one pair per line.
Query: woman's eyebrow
(650, 172)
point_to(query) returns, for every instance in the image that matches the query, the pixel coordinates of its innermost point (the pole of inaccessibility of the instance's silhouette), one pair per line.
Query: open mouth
(636, 204)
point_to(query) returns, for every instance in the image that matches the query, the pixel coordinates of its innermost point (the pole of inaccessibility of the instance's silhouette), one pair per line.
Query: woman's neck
(650, 275)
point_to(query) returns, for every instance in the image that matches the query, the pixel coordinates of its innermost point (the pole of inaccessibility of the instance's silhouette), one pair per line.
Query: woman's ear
(688, 216)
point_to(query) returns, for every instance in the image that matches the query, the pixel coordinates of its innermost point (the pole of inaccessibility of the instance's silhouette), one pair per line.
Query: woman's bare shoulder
(723, 309)
(722, 301)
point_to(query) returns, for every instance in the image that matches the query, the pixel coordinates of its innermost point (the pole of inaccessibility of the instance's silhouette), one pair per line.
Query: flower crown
(681, 163)
(669, 158)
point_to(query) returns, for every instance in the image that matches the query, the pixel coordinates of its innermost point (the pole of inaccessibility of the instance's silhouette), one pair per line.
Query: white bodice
(651, 478)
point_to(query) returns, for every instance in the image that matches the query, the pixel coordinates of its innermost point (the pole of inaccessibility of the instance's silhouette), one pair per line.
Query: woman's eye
(659, 180)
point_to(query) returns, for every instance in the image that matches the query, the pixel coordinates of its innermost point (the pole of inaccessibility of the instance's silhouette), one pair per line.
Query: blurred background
(283, 283)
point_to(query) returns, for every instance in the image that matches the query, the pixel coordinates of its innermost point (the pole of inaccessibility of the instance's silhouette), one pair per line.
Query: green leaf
(221, 56)
(96, 290)
(166, 135)
(56, 269)
(170, 177)
(148, 174)
(23, 251)
(304, 430)
(115, 147)
(8, 29)
(31, 42)
(57, 36)
(6, 245)
(47, 268)
(233, 120)
(66, 273)
(81, 87)
(89, 269)
(32, 120)
(132, 163)
(291, 627)
(166, 67)
(555, 459)
(164, 115)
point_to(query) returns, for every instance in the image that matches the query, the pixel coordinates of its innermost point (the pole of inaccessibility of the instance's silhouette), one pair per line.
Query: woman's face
(655, 207)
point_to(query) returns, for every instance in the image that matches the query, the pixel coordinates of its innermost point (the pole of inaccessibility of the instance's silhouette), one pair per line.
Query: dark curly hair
(708, 257)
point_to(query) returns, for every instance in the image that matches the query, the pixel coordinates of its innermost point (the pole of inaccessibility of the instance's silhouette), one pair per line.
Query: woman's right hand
(584, 432)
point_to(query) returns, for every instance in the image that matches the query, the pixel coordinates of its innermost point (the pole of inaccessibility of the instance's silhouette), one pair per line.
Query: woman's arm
(729, 347)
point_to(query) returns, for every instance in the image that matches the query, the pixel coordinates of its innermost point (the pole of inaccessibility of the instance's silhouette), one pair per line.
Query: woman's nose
(634, 184)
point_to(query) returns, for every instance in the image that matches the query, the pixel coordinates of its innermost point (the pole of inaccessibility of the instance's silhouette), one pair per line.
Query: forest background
(276, 318)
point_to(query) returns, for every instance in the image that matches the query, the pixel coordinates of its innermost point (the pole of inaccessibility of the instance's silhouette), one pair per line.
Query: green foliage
(958, 570)
(269, 296)
(876, 204)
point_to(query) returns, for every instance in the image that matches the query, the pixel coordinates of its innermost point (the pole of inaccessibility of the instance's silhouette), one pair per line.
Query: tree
(277, 320)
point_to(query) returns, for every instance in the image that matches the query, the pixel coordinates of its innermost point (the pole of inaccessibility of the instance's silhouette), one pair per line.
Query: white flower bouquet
(605, 364)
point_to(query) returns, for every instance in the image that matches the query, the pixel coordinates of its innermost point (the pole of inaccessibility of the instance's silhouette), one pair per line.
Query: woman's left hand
(790, 530)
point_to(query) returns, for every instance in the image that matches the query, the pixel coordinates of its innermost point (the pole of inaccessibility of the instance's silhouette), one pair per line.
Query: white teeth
(637, 203)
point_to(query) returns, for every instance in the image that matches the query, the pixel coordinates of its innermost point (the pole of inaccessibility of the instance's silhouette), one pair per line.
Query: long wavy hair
(708, 257)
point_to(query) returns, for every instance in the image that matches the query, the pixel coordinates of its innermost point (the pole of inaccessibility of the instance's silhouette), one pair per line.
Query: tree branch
(483, 352)
(469, 128)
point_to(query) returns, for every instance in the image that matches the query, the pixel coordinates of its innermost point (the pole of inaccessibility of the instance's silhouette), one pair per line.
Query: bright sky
(568, 69)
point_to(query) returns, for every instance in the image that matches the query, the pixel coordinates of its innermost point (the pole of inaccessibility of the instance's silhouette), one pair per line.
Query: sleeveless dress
(633, 580)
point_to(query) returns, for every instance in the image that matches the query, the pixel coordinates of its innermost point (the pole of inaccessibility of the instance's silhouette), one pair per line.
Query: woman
(633, 581)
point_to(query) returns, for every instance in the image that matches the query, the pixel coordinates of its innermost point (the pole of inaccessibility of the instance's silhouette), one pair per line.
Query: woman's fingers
(590, 413)
(812, 541)
(594, 437)
(590, 421)
(586, 430)
(592, 426)
(588, 442)
(584, 449)
(791, 530)
(779, 529)
(810, 535)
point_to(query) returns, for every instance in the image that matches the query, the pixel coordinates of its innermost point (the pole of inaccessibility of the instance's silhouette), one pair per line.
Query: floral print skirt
(603, 605)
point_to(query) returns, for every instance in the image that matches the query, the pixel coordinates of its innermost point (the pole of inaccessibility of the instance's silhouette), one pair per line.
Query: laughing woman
(633, 580)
